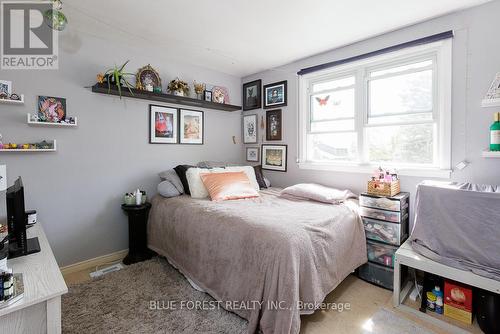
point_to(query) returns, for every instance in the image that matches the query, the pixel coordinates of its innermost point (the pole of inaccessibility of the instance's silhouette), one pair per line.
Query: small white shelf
(51, 124)
(490, 103)
(20, 150)
(8, 101)
(491, 154)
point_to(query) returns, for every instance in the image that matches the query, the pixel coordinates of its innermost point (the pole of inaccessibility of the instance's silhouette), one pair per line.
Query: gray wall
(77, 190)
(476, 50)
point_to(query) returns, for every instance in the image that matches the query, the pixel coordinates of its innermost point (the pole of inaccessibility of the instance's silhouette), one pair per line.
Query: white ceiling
(247, 36)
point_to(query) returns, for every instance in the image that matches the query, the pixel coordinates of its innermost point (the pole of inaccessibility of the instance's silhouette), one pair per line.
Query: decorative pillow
(167, 189)
(228, 186)
(196, 187)
(259, 177)
(171, 175)
(319, 193)
(181, 172)
(249, 171)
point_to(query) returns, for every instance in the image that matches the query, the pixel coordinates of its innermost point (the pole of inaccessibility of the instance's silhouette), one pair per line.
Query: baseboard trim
(97, 261)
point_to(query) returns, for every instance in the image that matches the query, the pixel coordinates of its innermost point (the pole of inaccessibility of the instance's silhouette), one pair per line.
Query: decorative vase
(178, 93)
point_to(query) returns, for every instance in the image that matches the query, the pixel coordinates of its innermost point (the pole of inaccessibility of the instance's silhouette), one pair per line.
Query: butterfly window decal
(322, 100)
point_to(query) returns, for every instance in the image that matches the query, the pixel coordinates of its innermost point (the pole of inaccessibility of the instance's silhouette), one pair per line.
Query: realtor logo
(28, 42)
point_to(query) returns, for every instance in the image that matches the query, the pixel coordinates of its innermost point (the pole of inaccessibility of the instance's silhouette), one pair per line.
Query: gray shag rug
(136, 300)
(387, 322)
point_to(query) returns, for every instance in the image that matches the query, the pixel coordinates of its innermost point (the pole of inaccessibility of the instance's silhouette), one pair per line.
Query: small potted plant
(116, 76)
(178, 87)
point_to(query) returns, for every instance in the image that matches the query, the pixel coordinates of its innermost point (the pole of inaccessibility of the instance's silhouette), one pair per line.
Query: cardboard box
(458, 301)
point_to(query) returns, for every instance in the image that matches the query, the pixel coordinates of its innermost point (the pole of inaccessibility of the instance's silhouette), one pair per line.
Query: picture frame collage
(169, 125)
(270, 97)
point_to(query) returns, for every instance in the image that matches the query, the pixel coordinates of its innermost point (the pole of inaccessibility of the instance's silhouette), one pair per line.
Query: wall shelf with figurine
(44, 146)
(491, 154)
(12, 101)
(72, 122)
(162, 97)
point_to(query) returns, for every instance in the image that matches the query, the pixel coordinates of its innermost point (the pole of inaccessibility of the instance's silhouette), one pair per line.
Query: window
(391, 110)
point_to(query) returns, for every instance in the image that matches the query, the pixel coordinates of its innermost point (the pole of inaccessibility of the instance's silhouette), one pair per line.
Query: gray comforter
(271, 253)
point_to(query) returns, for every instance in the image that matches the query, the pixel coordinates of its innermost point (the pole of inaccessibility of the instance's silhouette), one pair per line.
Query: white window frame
(441, 52)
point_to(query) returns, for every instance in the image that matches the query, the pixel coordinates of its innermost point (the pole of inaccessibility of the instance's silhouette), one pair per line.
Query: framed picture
(252, 95)
(191, 127)
(207, 95)
(51, 109)
(273, 124)
(250, 129)
(253, 154)
(275, 94)
(162, 125)
(147, 78)
(274, 157)
(5, 87)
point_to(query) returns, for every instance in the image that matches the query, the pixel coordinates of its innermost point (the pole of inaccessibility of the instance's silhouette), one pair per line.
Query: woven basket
(379, 188)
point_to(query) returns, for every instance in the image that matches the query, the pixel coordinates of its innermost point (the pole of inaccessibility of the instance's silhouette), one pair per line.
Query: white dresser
(39, 311)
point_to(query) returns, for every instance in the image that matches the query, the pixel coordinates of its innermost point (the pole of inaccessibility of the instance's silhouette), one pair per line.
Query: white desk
(39, 311)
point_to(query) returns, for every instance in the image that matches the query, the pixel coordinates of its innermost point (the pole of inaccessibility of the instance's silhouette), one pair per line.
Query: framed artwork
(253, 154)
(252, 95)
(147, 78)
(207, 95)
(162, 125)
(51, 109)
(250, 129)
(191, 127)
(274, 157)
(492, 97)
(275, 94)
(273, 124)
(5, 87)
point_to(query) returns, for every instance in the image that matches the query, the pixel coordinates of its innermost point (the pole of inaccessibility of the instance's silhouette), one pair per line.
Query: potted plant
(117, 77)
(178, 87)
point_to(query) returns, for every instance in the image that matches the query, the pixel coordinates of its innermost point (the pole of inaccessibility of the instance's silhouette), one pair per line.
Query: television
(17, 219)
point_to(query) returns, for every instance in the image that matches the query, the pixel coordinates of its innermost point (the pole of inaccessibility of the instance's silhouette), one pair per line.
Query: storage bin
(378, 275)
(392, 216)
(383, 188)
(381, 253)
(390, 233)
(395, 203)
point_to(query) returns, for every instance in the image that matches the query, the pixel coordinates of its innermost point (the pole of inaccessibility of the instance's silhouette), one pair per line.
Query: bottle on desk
(495, 133)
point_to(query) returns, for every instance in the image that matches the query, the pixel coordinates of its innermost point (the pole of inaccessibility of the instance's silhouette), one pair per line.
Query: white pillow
(317, 192)
(196, 186)
(249, 171)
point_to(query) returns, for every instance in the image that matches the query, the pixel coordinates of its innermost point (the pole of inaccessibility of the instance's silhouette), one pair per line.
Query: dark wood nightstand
(137, 233)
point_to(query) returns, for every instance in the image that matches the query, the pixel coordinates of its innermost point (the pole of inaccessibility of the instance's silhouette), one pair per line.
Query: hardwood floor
(364, 298)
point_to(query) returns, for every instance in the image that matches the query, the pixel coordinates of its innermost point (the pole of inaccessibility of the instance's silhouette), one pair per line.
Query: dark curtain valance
(420, 41)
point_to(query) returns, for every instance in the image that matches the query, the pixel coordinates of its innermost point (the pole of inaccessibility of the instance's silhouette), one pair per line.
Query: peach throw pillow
(226, 186)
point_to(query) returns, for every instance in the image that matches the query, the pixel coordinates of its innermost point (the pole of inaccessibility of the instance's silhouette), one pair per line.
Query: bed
(267, 259)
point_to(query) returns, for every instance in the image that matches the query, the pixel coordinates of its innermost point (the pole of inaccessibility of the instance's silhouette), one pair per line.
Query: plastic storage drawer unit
(380, 230)
(394, 203)
(376, 274)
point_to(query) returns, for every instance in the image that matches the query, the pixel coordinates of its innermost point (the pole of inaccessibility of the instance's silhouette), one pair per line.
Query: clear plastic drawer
(390, 233)
(381, 253)
(395, 203)
(392, 216)
(376, 274)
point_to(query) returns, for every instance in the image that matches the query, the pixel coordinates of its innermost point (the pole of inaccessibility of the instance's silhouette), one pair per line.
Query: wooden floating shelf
(162, 97)
(20, 150)
(8, 101)
(52, 124)
(490, 103)
(491, 154)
